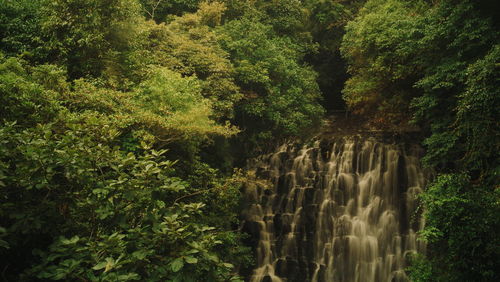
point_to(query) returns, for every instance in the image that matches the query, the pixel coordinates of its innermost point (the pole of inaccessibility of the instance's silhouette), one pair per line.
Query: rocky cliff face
(336, 210)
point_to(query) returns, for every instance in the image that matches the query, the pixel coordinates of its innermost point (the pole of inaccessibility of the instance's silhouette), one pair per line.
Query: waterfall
(342, 210)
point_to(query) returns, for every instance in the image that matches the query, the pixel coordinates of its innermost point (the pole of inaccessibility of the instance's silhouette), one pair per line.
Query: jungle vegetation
(124, 125)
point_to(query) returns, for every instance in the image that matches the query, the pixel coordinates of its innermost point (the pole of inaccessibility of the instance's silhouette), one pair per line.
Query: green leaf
(110, 263)
(191, 260)
(176, 265)
(100, 265)
(141, 254)
(70, 241)
(129, 276)
(192, 251)
(212, 257)
(4, 244)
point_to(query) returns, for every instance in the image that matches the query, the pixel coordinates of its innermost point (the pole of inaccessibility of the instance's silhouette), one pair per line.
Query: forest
(125, 125)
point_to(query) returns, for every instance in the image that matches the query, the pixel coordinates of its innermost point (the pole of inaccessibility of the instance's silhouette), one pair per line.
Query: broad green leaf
(100, 265)
(191, 260)
(177, 264)
(141, 254)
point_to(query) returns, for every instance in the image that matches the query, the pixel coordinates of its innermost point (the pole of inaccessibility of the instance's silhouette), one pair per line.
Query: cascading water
(336, 211)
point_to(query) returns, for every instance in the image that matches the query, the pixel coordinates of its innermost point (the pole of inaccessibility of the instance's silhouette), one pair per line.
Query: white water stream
(338, 211)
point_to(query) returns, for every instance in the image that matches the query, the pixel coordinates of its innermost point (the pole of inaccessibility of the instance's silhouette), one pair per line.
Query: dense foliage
(114, 118)
(279, 92)
(440, 62)
(121, 122)
(85, 194)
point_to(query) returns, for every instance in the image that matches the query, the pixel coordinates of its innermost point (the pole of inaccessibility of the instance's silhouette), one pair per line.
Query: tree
(281, 94)
(20, 29)
(443, 57)
(160, 10)
(381, 46)
(85, 193)
(90, 36)
(189, 46)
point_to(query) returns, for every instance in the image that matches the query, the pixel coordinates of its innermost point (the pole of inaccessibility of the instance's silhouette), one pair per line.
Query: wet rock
(293, 269)
(267, 278)
(282, 185)
(278, 223)
(356, 216)
(309, 195)
(281, 267)
(263, 173)
(252, 228)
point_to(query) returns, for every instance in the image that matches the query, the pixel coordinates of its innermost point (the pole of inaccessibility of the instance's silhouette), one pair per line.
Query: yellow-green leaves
(174, 103)
(188, 45)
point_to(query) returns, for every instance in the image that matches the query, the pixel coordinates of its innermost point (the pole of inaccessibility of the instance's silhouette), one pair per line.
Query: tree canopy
(123, 124)
(439, 62)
